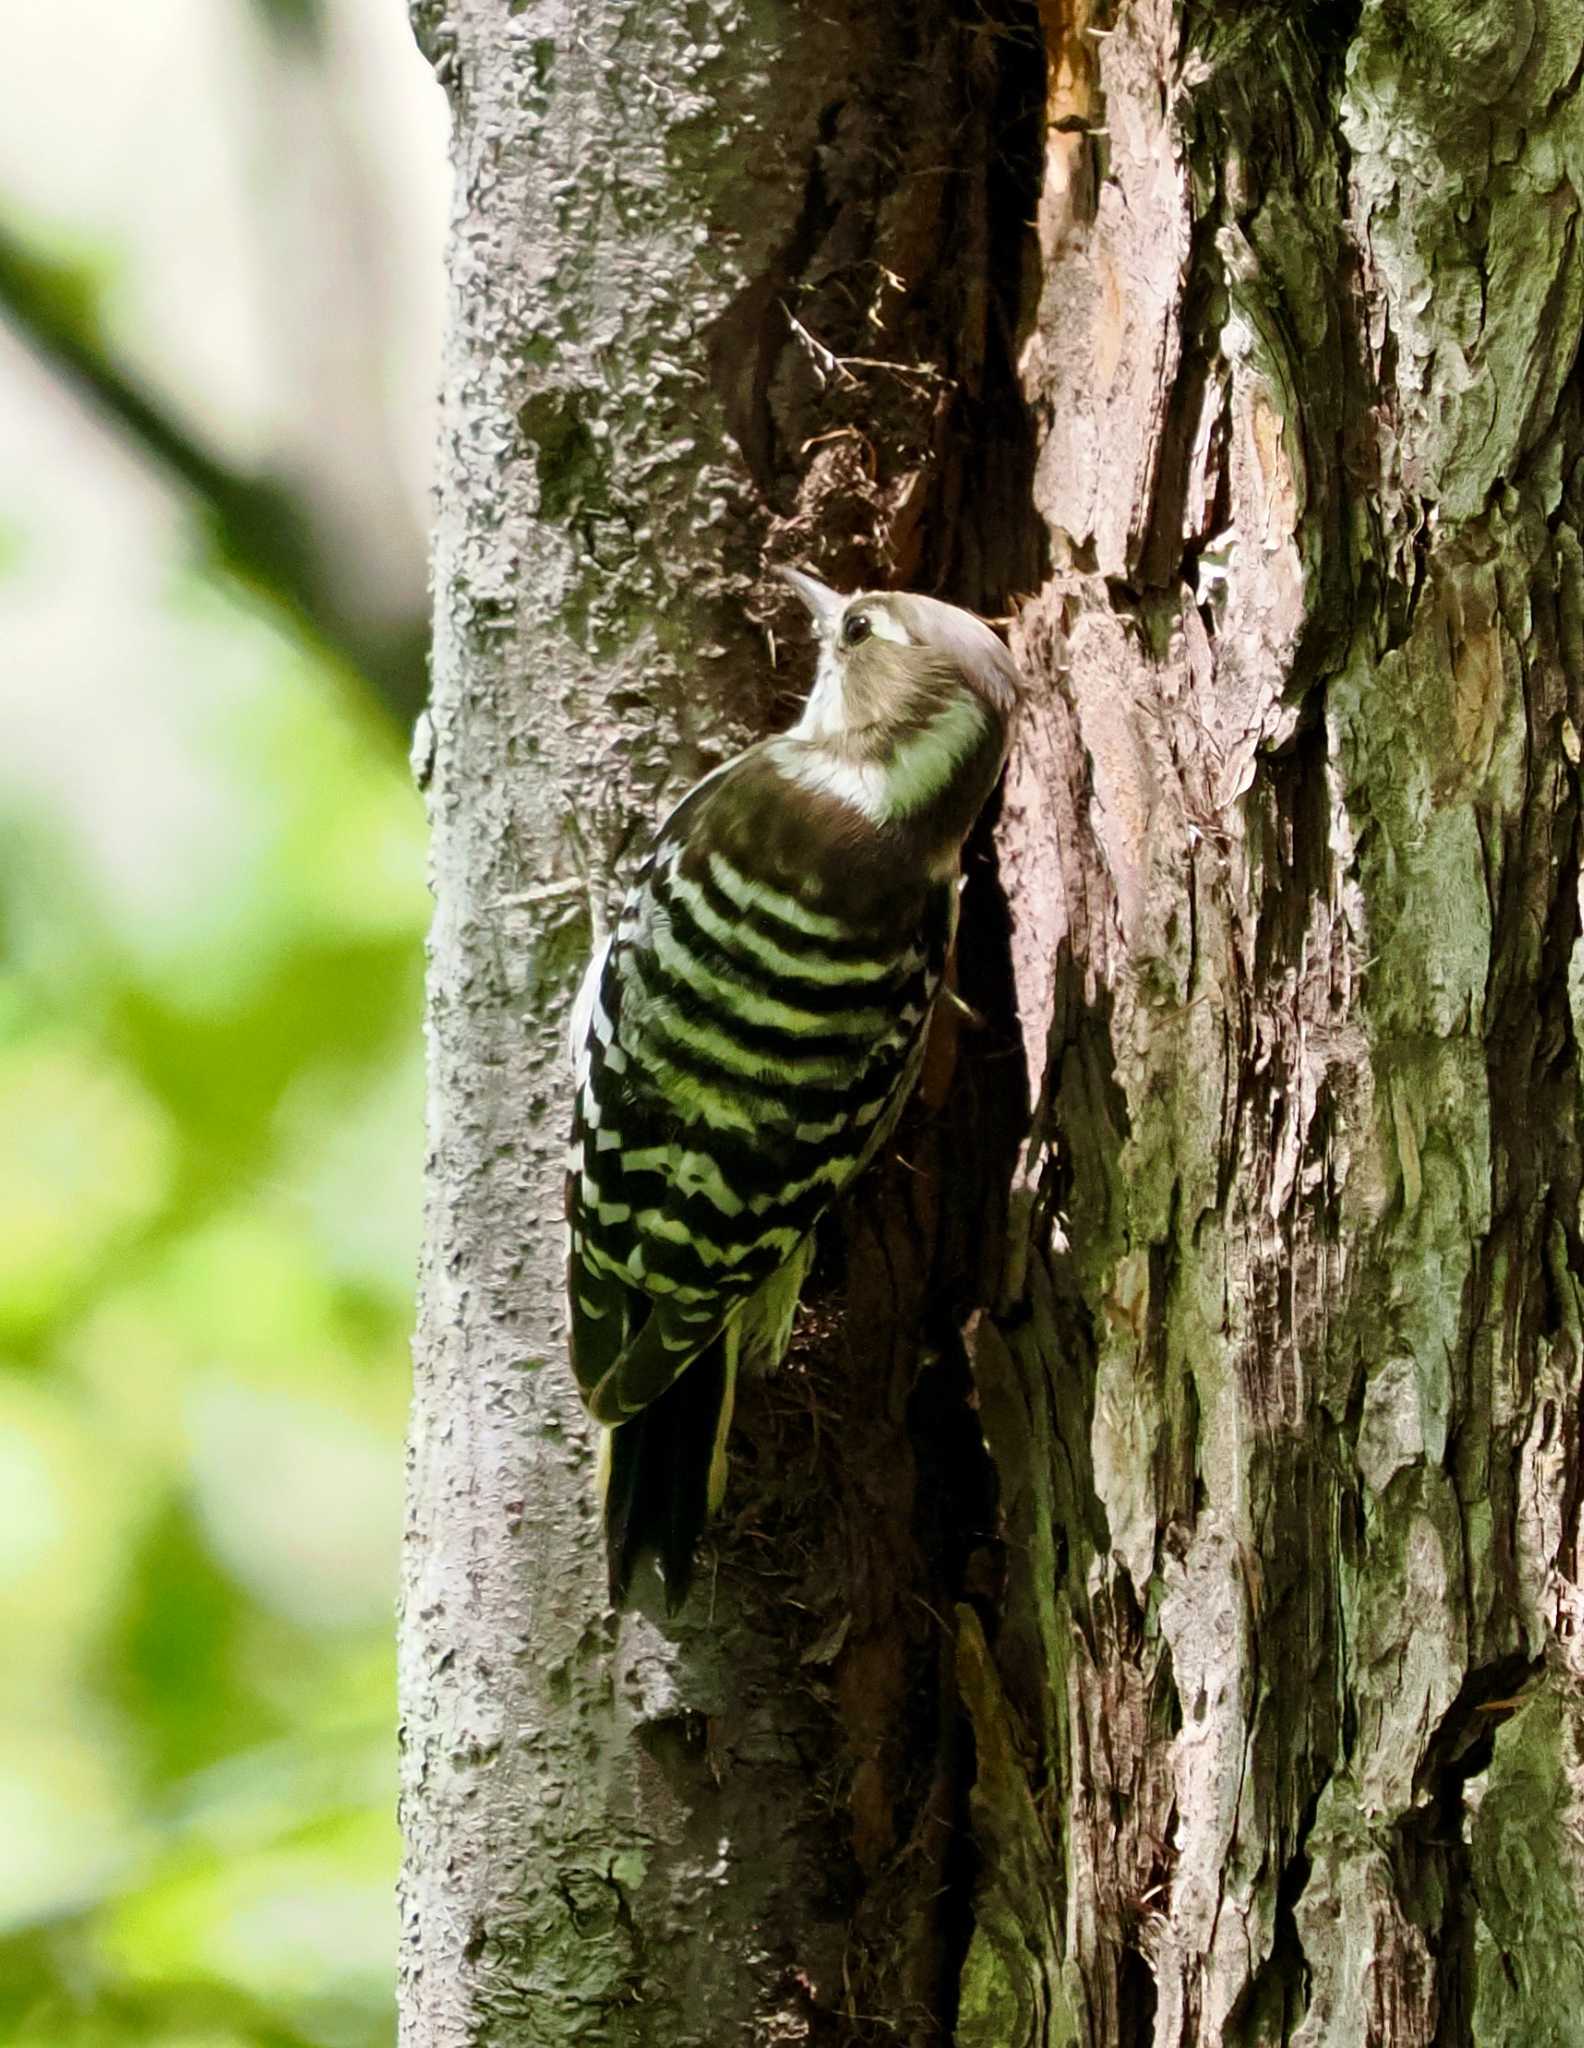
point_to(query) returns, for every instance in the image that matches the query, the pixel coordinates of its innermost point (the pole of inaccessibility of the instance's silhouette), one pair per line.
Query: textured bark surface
(1307, 1337)
(640, 1832)
(1146, 1608)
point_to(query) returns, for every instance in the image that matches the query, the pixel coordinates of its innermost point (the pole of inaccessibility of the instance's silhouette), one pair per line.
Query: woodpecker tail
(665, 1473)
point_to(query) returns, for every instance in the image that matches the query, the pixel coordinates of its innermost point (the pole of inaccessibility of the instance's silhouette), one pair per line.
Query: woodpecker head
(890, 658)
(910, 715)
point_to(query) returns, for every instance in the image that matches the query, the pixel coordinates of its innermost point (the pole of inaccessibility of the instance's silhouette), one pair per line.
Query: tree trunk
(1144, 1608)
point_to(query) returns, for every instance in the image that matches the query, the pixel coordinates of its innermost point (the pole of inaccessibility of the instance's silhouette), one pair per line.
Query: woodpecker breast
(754, 1027)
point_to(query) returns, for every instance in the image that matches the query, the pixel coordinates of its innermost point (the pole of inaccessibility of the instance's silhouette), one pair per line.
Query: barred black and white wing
(750, 1036)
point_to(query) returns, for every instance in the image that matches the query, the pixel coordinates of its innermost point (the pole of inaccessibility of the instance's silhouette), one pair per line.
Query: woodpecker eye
(856, 630)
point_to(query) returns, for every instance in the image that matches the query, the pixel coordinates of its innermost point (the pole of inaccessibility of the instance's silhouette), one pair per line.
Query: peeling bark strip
(1145, 1611)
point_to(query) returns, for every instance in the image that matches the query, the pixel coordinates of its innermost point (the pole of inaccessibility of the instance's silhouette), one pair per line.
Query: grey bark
(609, 1824)
(1146, 1607)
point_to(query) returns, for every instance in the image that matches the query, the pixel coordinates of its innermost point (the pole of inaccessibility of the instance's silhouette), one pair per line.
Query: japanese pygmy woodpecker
(746, 1039)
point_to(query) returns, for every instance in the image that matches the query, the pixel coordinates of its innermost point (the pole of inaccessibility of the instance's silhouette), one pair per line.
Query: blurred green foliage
(209, 1186)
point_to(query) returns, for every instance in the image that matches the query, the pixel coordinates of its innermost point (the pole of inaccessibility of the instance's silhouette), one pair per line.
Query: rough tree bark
(1145, 1608)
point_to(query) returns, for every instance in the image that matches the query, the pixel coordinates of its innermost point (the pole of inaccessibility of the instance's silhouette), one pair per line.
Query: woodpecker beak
(825, 605)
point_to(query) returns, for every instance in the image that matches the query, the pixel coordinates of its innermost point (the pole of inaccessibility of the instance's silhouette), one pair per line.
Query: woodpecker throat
(747, 1039)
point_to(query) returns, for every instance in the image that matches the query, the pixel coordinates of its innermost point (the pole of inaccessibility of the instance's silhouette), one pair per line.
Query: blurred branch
(260, 531)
